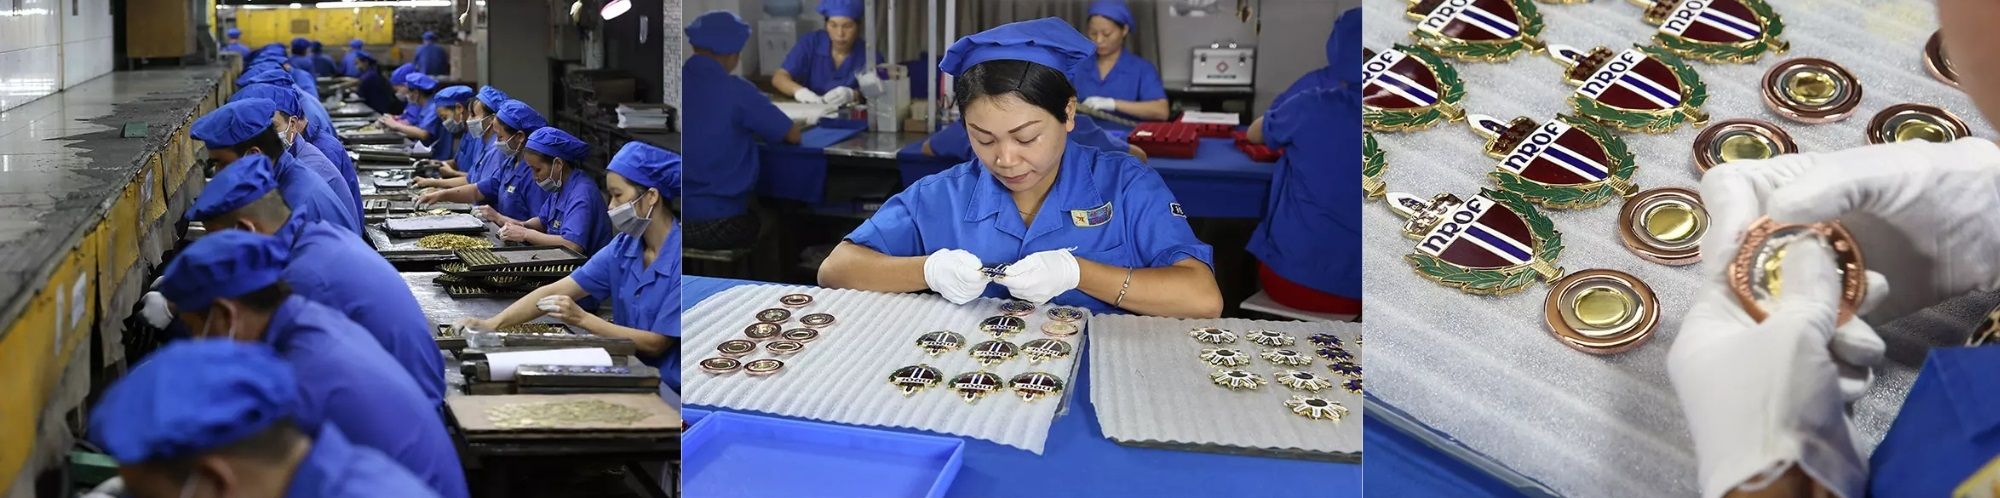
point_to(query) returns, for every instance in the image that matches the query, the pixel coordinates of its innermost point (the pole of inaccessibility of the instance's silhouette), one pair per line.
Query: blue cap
(420, 81)
(429, 36)
(272, 76)
(403, 71)
(317, 46)
(648, 166)
(559, 144)
(354, 43)
(284, 97)
(237, 185)
(720, 32)
(1115, 10)
(453, 95)
(850, 9)
(225, 264)
(191, 397)
(299, 45)
(1343, 47)
(280, 47)
(233, 33)
(520, 117)
(254, 70)
(363, 55)
(492, 97)
(234, 123)
(1047, 41)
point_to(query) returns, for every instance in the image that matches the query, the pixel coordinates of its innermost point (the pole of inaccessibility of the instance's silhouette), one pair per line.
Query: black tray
(480, 292)
(416, 233)
(556, 271)
(586, 377)
(516, 257)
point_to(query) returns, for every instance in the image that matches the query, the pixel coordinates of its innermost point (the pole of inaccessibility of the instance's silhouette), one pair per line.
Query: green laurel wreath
(1548, 243)
(1733, 52)
(1694, 91)
(1451, 90)
(1372, 163)
(1624, 164)
(1491, 51)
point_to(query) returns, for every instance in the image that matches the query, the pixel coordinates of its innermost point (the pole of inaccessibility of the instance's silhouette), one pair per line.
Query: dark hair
(267, 446)
(482, 105)
(267, 298)
(266, 141)
(1036, 84)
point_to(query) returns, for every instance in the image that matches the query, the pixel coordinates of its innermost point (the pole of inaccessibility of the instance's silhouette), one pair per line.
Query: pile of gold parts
(453, 241)
(563, 414)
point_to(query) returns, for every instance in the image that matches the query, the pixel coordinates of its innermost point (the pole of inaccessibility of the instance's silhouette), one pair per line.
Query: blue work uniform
(1315, 79)
(953, 142)
(1312, 230)
(345, 379)
(329, 145)
(1109, 207)
(732, 112)
(317, 120)
(576, 212)
(238, 48)
(311, 159)
(510, 188)
(323, 65)
(302, 76)
(438, 139)
(378, 94)
(309, 197)
(482, 165)
(1947, 435)
(811, 63)
(337, 468)
(337, 270)
(350, 64)
(432, 59)
(467, 149)
(1130, 79)
(303, 62)
(642, 297)
(416, 114)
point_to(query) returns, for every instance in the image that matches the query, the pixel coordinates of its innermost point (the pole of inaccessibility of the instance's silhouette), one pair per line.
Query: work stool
(738, 259)
(1262, 303)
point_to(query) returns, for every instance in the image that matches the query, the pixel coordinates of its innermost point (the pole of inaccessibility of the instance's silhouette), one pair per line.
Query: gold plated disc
(1755, 278)
(1601, 311)
(1811, 90)
(1914, 122)
(1664, 225)
(1740, 139)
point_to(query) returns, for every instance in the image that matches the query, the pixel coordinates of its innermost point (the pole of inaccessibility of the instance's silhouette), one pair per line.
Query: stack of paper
(642, 116)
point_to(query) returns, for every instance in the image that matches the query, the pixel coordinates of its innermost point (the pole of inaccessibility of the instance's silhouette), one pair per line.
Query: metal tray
(426, 225)
(516, 257)
(472, 292)
(460, 269)
(586, 376)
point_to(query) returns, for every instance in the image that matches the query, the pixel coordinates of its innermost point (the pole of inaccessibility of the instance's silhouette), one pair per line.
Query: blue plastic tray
(732, 454)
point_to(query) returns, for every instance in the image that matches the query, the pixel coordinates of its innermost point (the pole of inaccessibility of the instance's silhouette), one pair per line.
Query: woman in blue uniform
(375, 90)
(1306, 242)
(235, 38)
(422, 91)
(639, 272)
(572, 215)
(510, 190)
(472, 147)
(953, 143)
(348, 66)
(724, 149)
(821, 67)
(1069, 223)
(431, 58)
(1120, 83)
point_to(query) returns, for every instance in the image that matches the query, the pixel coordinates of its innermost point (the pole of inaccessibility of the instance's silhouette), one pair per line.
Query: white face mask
(187, 487)
(213, 312)
(625, 218)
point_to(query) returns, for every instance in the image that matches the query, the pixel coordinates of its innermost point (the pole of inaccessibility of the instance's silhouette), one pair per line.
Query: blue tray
(732, 454)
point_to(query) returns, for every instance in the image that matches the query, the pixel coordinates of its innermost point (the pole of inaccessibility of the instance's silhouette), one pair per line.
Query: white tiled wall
(45, 47)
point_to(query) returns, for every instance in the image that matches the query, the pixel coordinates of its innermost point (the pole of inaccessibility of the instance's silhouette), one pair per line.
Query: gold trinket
(1237, 379)
(1316, 408)
(1059, 329)
(1755, 278)
(1601, 311)
(774, 315)
(763, 367)
(795, 301)
(1286, 357)
(1916, 122)
(735, 348)
(973, 385)
(1664, 225)
(784, 348)
(1224, 357)
(1040, 350)
(801, 335)
(761, 330)
(1212, 335)
(1031, 386)
(816, 320)
(914, 378)
(1017, 308)
(718, 366)
(1303, 381)
(1740, 140)
(991, 353)
(940, 342)
(1002, 326)
(1810, 90)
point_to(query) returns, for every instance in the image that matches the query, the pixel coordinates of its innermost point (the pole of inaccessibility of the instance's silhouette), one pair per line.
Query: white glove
(954, 274)
(1101, 103)
(1760, 398)
(110, 488)
(806, 96)
(840, 96)
(155, 311)
(1041, 276)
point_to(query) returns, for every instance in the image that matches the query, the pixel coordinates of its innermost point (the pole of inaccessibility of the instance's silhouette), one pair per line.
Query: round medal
(914, 378)
(1664, 225)
(761, 330)
(1937, 62)
(991, 353)
(1002, 326)
(1040, 350)
(1017, 308)
(973, 385)
(1740, 139)
(1059, 329)
(718, 366)
(1303, 381)
(795, 300)
(1065, 314)
(940, 342)
(735, 348)
(1289, 358)
(1810, 90)
(784, 348)
(1915, 122)
(1601, 311)
(816, 320)
(1755, 278)
(763, 367)
(801, 335)
(774, 315)
(1031, 386)
(1224, 357)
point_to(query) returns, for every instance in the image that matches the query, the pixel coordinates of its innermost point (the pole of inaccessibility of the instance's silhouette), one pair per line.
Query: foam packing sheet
(843, 376)
(1151, 388)
(1485, 370)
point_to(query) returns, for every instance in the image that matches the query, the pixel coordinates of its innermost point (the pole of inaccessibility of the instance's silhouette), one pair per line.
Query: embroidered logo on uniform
(555, 225)
(1090, 217)
(1177, 210)
(510, 189)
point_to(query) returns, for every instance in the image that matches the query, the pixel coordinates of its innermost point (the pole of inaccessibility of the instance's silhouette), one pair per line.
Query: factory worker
(399, 78)
(953, 143)
(1306, 241)
(820, 69)
(302, 55)
(323, 64)
(245, 127)
(349, 66)
(375, 90)
(1070, 223)
(724, 148)
(235, 44)
(572, 213)
(431, 57)
(227, 285)
(639, 272)
(319, 132)
(1343, 50)
(475, 148)
(420, 88)
(1766, 402)
(443, 124)
(1121, 83)
(328, 266)
(291, 125)
(509, 191)
(220, 418)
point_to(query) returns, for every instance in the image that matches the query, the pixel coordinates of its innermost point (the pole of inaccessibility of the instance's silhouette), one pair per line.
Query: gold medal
(1740, 140)
(971, 386)
(1316, 408)
(914, 378)
(1643, 88)
(1564, 163)
(1492, 244)
(1408, 88)
(1031, 386)
(1224, 357)
(1601, 311)
(1664, 225)
(1237, 379)
(1810, 90)
(1477, 30)
(1755, 276)
(1716, 30)
(1916, 122)
(1937, 62)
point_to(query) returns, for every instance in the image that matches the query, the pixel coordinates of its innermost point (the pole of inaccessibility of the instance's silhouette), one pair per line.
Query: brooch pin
(816, 320)
(761, 330)
(1915, 122)
(1638, 89)
(1352, 385)
(763, 367)
(1060, 329)
(991, 353)
(1224, 357)
(1236, 379)
(1268, 338)
(1212, 335)
(1017, 308)
(1664, 225)
(914, 378)
(735, 348)
(1334, 353)
(1040, 350)
(1347, 368)
(973, 385)
(1316, 408)
(1740, 140)
(1327, 340)
(1002, 326)
(1492, 244)
(774, 315)
(1716, 30)
(1065, 314)
(1477, 30)
(1287, 357)
(1601, 311)
(1754, 274)
(1565, 163)
(1034, 385)
(784, 348)
(940, 342)
(719, 366)
(1303, 381)
(795, 300)
(1408, 88)
(801, 335)
(1372, 163)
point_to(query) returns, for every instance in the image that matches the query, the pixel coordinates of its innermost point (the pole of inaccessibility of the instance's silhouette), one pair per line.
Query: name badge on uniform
(1177, 210)
(510, 189)
(555, 225)
(1087, 218)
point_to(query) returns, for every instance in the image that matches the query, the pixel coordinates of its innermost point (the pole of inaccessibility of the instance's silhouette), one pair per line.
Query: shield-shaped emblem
(1716, 30)
(1408, 88)
(1492, 243)
(1564, 163)
(1641, 89)
(1477, 30)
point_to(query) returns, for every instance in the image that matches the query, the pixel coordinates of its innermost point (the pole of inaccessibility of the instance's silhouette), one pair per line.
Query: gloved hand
(1041, 276)
(1922, 213)
(110, 488)
(155, 310)
(562, 308)
(1762, 397)
(1106, 104)
(840, 96)
(806, 96)
(954, 274)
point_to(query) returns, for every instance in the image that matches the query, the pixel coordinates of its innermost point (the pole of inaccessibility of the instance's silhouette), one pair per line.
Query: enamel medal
(1477, 30)
(1372, 164)
(1408, 88)
(1644, 88)
(1494, 243)
(1716, 30)
(1564, 163)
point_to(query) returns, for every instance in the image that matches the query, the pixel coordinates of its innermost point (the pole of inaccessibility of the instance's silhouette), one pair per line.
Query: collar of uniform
(275, 333)
(702, 64)
(1074, 188)
(1125, 61)
(291, 231)
(1966, 376)
(321, 466)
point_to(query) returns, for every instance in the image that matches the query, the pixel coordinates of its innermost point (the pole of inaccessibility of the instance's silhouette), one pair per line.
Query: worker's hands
(1924, 214)
(429, 198)
(110, 488)
(486, 212)
(515, 232)
(954, 274)
(806, 96)
(1041, 276)
(475, 324)
(1106, 104)
(155, 310)
(1760, 397)
(563, 308)
(841, 96)
(390, 120)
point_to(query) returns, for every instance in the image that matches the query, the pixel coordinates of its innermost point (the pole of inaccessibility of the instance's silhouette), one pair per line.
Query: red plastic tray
(1257, 152)
(1165, 140)
(1211, 130)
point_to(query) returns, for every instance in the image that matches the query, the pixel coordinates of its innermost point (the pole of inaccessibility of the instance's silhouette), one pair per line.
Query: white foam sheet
(1151, 388)
(843, 376)
(504, 364)
(1485, 371)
